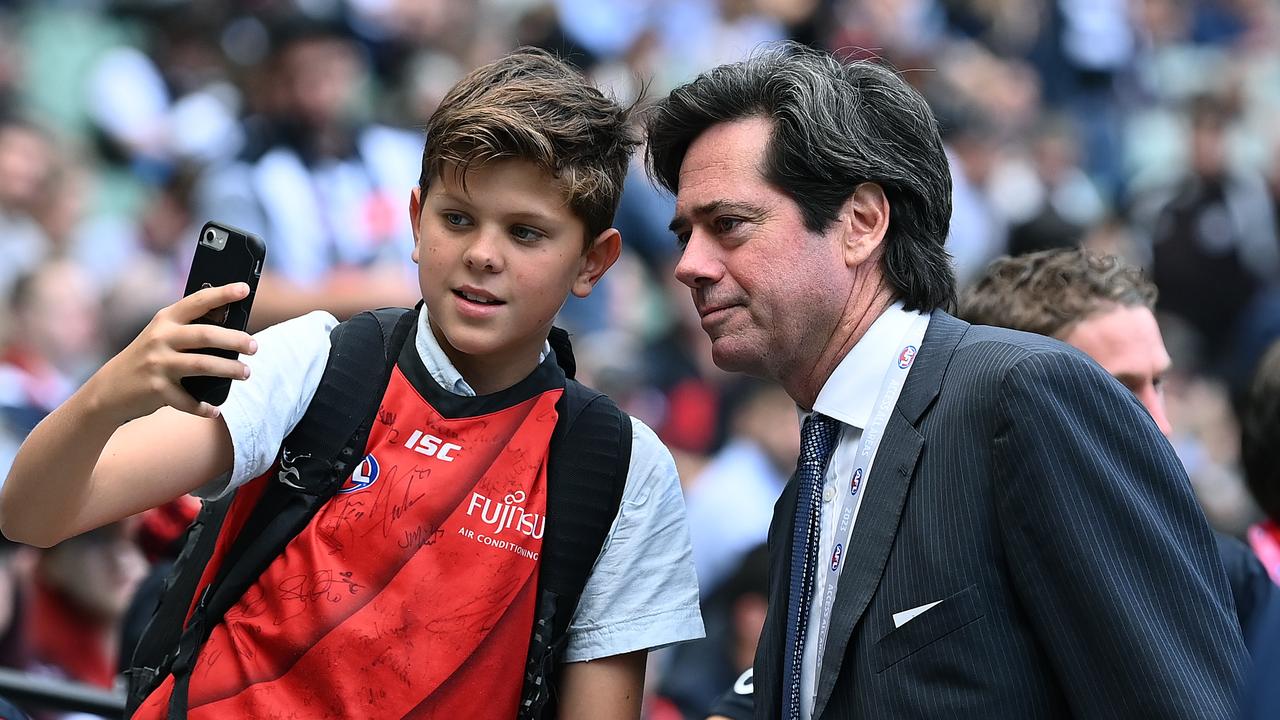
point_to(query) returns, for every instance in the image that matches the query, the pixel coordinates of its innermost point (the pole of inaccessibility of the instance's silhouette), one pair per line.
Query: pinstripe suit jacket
(1034, 497)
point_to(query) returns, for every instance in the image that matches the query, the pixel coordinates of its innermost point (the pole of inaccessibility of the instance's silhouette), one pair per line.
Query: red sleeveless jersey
(412, 592)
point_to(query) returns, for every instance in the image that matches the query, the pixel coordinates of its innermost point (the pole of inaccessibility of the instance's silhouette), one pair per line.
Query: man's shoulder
(992, 351)
(1016, 344)
(987, 358)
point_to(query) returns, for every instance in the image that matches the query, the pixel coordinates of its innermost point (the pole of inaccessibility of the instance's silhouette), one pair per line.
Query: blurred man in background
(82, 588)
(734, 613)
(26, 162)
(1104, 308)
(731, 501)
(1260, 451)
(321, 185)
(1219, 223)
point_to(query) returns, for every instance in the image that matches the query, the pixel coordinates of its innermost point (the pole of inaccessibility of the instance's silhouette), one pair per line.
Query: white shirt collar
(850, 393)
(438, 364)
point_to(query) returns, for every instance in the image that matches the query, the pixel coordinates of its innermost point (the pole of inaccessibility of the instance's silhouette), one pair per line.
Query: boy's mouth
(478, 297)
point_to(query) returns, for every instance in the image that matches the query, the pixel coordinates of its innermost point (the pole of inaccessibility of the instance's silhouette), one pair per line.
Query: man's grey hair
(835, 125)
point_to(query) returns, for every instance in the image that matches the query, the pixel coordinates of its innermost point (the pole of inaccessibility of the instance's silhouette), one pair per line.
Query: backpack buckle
(301, 471)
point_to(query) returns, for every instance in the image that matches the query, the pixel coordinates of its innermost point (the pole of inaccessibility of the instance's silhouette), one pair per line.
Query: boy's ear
(599, 257)
(864, 221)
(415, 214)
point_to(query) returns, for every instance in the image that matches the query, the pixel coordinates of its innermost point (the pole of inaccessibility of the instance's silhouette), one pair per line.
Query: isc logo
(431, 446)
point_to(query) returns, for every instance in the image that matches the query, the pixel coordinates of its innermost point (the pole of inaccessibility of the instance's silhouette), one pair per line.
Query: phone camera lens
(210, 236)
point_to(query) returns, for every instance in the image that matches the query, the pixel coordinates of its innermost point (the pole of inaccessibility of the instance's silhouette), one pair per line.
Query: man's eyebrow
(716, 206)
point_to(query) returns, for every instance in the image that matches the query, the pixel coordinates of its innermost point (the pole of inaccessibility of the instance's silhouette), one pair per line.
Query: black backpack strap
(558, 339)
(157, 647)
(345, 401)
(587, 470)
(315, 459)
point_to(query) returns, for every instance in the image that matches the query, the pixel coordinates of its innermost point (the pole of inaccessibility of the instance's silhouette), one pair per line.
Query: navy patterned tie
(817, 439)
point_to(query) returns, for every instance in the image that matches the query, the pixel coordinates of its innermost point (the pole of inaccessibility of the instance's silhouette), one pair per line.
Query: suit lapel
(886, 493)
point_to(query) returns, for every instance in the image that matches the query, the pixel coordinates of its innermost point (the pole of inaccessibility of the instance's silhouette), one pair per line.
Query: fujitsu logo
(508, 514)
(432, 446)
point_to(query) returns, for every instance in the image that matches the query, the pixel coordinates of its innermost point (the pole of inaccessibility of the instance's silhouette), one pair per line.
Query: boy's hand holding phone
(148, 373)
(116, 449)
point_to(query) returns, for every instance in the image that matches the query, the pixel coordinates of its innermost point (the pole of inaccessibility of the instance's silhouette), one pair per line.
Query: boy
(522, 171)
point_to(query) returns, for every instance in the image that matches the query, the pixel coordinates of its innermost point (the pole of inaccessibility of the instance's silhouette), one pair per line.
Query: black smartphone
(224, 255)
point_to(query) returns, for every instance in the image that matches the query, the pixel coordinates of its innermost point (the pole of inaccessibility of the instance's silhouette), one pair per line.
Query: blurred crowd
(1133, 127)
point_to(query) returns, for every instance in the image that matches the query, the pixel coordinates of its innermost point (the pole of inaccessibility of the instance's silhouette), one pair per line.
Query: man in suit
(982, 522)
(1103, 307)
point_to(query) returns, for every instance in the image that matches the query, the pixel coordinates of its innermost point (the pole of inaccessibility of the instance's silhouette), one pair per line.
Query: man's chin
(733, 356)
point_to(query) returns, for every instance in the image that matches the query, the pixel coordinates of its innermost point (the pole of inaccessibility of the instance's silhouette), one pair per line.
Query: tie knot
(817, 438)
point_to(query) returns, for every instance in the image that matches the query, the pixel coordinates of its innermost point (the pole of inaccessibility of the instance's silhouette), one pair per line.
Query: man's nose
(1154, 402)
(699, 264)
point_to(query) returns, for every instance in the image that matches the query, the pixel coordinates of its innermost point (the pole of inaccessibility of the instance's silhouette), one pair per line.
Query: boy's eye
(682, 240)
(456, 219)
(526, 234)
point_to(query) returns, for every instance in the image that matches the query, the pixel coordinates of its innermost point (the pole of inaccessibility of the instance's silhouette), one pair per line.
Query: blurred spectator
(82, 587)
(15, 568)
(52, 345)
(1260, 450)
(977, 233)
(730, 503)
(26, 161)
(903, 31)
(1104, 308)
(10, 63)
(687, 409)
(151, 110)
(163, 242)
(1095, 45)
(1261, 697)
(324, 188)
(700, 671)
(1048, 200)
(694, 35)
(1219, 224)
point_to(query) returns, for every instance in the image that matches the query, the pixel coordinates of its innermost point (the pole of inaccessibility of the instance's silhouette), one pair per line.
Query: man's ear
(415, 214)
(864, 222)
(599, 257)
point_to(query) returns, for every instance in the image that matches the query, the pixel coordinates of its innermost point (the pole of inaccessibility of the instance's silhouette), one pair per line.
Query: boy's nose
(483, 254)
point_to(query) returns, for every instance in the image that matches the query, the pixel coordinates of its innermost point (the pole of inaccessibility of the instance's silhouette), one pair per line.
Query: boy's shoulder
(311, 326)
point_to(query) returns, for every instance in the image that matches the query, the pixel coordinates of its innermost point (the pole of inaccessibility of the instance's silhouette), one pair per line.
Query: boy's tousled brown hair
(532, 106)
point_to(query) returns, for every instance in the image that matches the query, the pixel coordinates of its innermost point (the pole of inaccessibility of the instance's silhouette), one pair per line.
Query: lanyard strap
(847, 505)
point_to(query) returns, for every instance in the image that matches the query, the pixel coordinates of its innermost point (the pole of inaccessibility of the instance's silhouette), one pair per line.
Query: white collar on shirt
(850, 392)
(438, 364)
